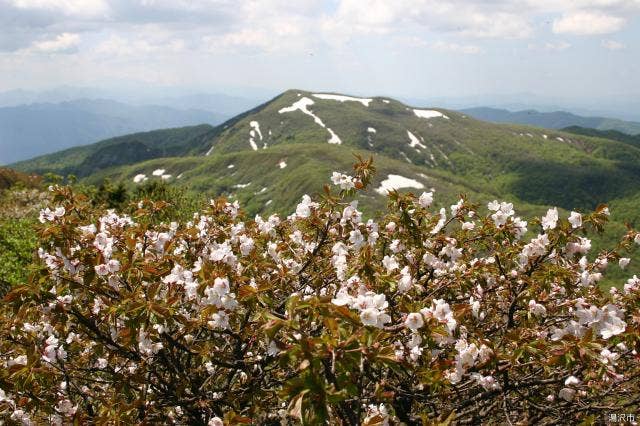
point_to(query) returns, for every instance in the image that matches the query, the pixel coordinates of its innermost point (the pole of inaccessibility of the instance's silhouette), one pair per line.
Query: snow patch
(429, 113)
(256, 126)
(545, 137)
(158, 172)
(386, 101)
(255, 130)
(268, 202)
(415, 142)
(261, 191)
(560, 139)
(303, 106)
(230, 166)
(140, 178)
(335, 140)
(397, 182)
(179, 176)
(342, 98)
(403, 155)
(165, 177)
(242, 185)
(209, 152)
(282, 164)
(371, 130)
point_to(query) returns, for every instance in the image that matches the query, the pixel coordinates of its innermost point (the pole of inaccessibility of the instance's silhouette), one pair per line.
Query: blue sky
(566, 49)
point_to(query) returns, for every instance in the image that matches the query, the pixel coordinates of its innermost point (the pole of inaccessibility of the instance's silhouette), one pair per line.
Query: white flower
(21, 417)
(608, 357)
(342, 180)
(425, 199)
(468, 226)
(406, 281)
(219, 320)
(550, 220)
(632, 284)
(102, 269)
(414, 321)
(502, 212)
(390, 263)
(113, 265)
(101, 363)
(369, 316)
(575, 219)
(623, 262)
(391, 227)
(304, 208)
(572, 380)
(215, 421)
(221, 286)
(66, 408)
(537, 309)
(342, 298)
(246, 245)
(19, 360)
(637, 239)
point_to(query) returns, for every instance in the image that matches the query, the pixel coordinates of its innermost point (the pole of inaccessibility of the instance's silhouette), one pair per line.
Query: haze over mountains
(552, 120)
(34, 123)
(30, 130)
(271, 155)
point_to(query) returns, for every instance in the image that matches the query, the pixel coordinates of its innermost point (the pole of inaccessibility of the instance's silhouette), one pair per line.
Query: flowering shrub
(320, 317)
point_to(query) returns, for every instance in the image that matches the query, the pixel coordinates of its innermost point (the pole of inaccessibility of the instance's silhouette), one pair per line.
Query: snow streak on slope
(342, 98)
(255, 130)
(302, 105)
(140, 178)
(429, 113)
(334, 138)
(415, 142)
(397, 182)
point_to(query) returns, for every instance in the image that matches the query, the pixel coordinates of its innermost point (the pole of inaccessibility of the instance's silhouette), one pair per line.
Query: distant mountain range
(30, 130)
(552, 120)
(269, 156)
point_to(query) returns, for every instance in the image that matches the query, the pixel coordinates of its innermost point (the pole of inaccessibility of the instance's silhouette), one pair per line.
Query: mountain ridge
(37, 129)
(552, 120)
(430, 146)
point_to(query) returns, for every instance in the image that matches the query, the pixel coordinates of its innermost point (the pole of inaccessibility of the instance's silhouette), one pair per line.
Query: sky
(578, 49)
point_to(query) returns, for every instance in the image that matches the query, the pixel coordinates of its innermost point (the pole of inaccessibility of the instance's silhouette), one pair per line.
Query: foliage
(319, 317)
(18, 238)
(631, 139)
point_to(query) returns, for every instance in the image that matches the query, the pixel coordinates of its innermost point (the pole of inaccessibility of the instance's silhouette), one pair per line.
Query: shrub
(320, 317)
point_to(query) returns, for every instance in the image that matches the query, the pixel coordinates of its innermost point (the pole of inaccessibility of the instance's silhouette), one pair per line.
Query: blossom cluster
(317, 317)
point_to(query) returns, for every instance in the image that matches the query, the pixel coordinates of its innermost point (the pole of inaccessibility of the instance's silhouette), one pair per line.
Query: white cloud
(612, 45)
(466, 18)
(456, 48)
(117, 45)
(80, 8)
(558, 46)
(588, 23)
(62, 43)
